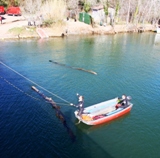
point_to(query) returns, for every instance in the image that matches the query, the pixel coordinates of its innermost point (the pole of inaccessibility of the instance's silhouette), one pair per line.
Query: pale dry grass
(54, 10)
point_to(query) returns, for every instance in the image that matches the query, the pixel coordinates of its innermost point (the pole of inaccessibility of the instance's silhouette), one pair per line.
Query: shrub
(53, 11)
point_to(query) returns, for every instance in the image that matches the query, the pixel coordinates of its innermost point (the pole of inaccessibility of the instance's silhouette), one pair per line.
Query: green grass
(22, 30)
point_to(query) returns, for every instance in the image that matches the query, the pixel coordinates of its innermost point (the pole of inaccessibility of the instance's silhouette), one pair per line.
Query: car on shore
(14, 11)
(2, 10)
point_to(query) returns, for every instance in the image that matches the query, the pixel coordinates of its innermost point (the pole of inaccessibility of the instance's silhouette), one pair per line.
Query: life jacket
(86, 117)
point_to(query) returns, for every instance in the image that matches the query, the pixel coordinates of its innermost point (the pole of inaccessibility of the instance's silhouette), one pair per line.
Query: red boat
(103, 112)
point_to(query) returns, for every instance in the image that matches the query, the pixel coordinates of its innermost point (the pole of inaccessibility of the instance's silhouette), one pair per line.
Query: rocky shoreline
(7, 29)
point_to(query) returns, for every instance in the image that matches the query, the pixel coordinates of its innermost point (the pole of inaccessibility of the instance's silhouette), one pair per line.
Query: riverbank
(16, 27)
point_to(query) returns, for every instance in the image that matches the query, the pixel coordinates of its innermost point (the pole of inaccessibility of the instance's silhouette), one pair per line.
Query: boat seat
(112, 108)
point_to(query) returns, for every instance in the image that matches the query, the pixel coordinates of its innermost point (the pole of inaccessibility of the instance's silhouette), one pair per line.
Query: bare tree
(31, 6)
(127, 11)
(129, 6)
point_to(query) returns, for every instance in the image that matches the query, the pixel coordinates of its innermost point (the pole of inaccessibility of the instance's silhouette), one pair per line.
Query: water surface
(125, 64)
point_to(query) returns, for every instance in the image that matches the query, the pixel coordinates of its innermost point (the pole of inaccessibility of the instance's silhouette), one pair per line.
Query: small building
(98, 14)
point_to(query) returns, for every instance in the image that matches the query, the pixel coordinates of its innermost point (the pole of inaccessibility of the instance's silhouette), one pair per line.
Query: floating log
(49, 100)
(59, 113)
(76, 68)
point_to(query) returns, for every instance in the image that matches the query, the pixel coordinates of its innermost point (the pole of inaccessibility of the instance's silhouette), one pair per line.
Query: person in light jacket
(80, 104)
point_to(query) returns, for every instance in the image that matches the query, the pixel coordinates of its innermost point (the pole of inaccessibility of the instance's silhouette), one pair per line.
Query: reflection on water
(157, 38)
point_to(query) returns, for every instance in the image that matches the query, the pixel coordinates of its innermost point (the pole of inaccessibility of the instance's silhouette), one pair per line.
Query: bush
(87, 7)
(53, 11)
(48, 23)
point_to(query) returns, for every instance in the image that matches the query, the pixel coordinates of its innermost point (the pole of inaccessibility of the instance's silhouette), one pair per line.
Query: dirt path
(10, 22)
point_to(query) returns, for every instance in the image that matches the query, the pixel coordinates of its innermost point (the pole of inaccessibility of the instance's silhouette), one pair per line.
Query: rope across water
(32, 82)
(18, 88)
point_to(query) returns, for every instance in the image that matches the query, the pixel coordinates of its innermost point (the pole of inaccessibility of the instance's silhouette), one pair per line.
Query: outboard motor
(129, 98)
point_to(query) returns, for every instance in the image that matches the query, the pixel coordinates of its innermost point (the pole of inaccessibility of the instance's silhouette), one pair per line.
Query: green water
(124, 63)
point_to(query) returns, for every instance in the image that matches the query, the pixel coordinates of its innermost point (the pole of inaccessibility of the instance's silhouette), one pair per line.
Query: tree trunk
(129, 6)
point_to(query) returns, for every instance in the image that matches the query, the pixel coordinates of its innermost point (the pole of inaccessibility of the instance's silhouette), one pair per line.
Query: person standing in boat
(80, 104)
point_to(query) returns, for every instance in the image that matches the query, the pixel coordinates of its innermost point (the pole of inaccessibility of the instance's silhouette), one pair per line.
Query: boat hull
(109, 116)
(112, 117)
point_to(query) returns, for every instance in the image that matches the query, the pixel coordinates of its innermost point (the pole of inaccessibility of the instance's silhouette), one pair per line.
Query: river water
(124, 63)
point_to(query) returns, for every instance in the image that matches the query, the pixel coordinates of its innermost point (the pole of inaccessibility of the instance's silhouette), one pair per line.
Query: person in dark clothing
(124, 101)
